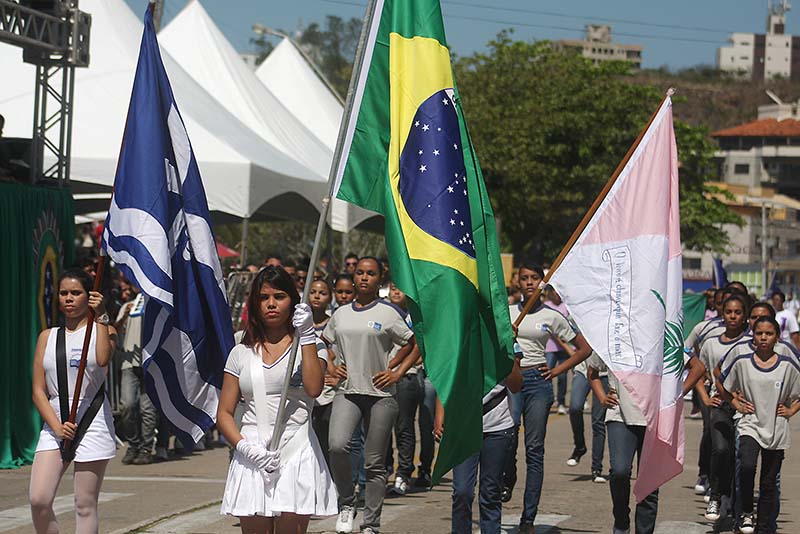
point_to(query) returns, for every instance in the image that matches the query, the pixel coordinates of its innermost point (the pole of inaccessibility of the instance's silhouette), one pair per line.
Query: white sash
(300, 439)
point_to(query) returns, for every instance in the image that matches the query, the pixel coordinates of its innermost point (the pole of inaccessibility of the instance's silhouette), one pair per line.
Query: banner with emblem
(37, 243)
(407, 154)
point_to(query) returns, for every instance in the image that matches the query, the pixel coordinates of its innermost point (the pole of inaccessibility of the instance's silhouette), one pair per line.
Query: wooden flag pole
(85, 350)
(280, 423)
(589, 214)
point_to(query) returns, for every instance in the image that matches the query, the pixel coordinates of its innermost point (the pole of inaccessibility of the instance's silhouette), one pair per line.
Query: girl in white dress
(275, 491)
(97, 445)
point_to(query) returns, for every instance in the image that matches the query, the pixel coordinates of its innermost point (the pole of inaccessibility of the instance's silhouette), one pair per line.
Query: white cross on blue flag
(158, 231)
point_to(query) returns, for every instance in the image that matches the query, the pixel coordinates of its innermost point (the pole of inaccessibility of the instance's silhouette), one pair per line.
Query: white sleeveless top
(98, 442)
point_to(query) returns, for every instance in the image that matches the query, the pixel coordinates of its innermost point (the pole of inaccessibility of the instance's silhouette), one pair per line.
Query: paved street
(182, 496)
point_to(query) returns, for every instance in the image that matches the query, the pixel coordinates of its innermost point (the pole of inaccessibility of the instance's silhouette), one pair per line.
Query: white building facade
(760, 56)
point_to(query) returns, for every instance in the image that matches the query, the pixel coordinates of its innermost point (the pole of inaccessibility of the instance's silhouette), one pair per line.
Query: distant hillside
(715, 100)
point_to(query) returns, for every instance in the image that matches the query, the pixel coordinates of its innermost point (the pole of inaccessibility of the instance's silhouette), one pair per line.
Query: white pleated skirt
(302, 486)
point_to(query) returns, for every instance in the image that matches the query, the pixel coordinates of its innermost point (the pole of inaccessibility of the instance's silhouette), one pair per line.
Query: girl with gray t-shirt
(365, 332)
(769, 387)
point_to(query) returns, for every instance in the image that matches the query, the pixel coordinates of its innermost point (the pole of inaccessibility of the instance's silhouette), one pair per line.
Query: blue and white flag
(719, 274)
(158, 231)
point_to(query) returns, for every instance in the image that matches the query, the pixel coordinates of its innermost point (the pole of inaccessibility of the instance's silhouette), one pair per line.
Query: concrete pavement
(182, 496)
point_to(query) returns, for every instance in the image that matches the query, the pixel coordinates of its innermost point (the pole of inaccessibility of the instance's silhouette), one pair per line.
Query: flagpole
(73, 412)
(98, 280)
(280, 424)
(589, 214)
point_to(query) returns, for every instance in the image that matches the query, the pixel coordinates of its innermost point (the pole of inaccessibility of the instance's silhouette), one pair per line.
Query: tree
(332, 48)
(550, 128)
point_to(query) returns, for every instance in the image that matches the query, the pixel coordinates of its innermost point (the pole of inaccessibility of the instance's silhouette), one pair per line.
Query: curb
(151, 521)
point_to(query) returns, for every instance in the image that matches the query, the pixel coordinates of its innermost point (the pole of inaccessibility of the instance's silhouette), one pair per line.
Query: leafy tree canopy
(550, 128)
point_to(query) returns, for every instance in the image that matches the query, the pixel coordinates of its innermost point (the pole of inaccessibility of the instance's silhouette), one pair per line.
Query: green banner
(38, 226)
(694, 310)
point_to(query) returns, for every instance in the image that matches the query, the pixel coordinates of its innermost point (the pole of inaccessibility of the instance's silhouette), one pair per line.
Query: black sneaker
(526, 527)
(130, 456)
(423, 480)
(712, 510)
(506, 495)
(143, 458)
(746, 524)
(576, 457)
(598, 477)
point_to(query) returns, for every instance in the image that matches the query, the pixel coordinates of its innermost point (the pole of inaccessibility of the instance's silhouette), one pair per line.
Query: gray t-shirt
(714, 349)
(627, 411)
(365, 337)
(703, 329)
(535, 329)
(746, 347)
(130, 346)
(765, 389)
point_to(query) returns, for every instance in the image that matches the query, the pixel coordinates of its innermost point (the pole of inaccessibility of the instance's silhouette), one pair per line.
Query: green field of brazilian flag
(407, 154)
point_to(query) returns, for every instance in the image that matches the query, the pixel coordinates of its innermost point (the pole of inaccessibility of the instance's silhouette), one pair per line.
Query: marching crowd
(359, 401)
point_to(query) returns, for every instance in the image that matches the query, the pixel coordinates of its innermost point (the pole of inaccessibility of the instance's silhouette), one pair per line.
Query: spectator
(790, 331)
(350, 262)
(274, 260)
(139, 416)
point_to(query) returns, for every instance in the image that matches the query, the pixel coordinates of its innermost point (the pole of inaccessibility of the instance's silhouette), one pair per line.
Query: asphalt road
(182, 496)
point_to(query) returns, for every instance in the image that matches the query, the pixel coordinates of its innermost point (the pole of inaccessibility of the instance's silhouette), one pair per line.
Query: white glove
(273, 459)
(303, 322)
(256, 453)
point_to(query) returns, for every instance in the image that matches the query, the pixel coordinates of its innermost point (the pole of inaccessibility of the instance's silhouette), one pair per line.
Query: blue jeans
(409, 395)
(577, 398)
(491, 459)
(553, 359)
(623, 442)
(139, 415)
(510, 470)
(427, 407)
(357, 457)
(536, 399)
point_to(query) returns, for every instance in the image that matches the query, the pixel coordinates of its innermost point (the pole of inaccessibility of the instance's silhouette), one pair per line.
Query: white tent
(300, 116)
(287, 74)
(244, 174)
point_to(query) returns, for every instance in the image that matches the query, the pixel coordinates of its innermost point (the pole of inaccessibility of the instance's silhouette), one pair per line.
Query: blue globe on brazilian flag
(407, 154)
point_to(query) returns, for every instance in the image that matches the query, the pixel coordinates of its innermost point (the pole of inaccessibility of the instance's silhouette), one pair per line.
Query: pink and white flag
(622, 284)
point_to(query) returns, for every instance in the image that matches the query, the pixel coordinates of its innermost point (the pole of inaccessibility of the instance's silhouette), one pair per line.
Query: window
(741, 168)
(693, 264)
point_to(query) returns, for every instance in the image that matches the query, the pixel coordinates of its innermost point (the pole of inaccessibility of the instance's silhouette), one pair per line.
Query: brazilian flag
(407, 154)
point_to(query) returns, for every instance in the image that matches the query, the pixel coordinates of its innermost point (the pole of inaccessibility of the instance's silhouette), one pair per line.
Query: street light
(260, 29)
(763, 203)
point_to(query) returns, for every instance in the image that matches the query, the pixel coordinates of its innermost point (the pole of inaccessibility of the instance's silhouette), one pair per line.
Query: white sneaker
(562, 410)
(620, 531)
(344, 523)
(599, 478)
(701, 486)
(400, 485)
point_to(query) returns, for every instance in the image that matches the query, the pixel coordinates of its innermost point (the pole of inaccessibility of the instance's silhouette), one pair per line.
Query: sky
(674, 33)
